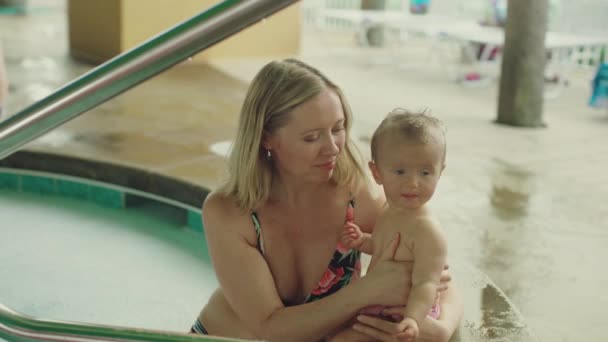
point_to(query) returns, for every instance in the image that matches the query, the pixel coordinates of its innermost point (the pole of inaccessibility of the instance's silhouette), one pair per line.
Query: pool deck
(525, 206)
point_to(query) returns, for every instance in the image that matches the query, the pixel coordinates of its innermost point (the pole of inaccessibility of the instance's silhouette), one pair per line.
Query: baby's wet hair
(418, 127)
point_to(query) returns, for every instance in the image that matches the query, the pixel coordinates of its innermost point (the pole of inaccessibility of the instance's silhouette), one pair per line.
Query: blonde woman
(273, 228)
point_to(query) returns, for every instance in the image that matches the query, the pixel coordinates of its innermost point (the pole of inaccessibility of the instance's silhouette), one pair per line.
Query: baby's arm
(430, 254)
(353, 237)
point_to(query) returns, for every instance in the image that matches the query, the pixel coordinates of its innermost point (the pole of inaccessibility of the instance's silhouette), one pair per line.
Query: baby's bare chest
(384, 233)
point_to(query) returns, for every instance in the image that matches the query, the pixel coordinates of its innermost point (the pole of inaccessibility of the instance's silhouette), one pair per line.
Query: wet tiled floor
(526, 206)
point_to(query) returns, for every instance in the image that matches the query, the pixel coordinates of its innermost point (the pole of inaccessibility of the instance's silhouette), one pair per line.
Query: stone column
(520, 101)
(374, 34)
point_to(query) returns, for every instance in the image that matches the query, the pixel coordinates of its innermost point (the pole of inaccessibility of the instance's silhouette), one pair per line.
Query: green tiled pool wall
(195, 221)
(101, 195)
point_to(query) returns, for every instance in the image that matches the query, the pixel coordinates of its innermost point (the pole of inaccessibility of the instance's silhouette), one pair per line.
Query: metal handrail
(95, 87)
(132, 67)
(18, 327)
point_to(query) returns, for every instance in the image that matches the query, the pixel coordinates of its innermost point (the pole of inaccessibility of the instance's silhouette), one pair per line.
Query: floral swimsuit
(344, 267)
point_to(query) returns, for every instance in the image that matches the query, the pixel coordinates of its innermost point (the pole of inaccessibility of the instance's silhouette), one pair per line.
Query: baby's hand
(410, 328)
(352, 236)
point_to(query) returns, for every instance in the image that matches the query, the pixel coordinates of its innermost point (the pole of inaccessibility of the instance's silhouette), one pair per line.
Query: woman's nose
(331, 146)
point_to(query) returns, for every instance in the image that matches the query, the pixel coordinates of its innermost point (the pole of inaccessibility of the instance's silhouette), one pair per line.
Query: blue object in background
(599, 95)
(500, 12)
(419, 6)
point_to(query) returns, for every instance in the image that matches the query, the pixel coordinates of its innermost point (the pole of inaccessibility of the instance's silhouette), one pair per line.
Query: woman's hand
(384, 330)
(430, 330)
(396, 275)
(388, 282)
(446, 277)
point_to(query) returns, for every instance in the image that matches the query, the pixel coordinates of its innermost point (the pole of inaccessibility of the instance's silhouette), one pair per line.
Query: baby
(408, 157)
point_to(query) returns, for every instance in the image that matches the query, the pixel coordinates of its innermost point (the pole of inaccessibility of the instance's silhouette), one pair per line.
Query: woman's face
(308, 145)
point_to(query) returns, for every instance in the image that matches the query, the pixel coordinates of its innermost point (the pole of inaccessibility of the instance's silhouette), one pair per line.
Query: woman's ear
(375, 173)
(266, 141)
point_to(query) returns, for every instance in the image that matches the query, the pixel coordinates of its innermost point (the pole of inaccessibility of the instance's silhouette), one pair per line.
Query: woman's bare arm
(249, 287)
(431, 330)
(368, 207)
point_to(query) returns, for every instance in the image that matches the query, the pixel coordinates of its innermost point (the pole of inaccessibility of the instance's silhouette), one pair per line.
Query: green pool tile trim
(107, 197)
(195, 221)
(102, 195)
(51, 186)
(73, 189)
(37, 184)
(9, 181)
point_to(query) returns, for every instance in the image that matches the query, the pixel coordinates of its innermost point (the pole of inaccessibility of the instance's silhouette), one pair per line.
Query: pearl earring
(268, 154)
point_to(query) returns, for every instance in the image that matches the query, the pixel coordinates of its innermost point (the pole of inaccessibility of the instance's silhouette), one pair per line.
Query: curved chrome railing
(17, 327)
(133, 67)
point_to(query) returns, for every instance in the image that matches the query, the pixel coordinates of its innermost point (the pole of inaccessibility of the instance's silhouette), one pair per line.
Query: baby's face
(409, 172)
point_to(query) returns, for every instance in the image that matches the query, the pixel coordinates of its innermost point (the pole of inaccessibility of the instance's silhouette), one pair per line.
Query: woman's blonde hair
(274, 92)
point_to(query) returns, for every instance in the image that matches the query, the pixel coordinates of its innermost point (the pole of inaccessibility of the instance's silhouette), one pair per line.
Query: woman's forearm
(314, 321)
(349, 335)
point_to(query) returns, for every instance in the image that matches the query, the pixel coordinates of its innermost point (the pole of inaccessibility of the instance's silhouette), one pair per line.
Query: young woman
(273, 228)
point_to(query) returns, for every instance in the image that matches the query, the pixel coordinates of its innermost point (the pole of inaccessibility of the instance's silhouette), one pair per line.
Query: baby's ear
(375, 173)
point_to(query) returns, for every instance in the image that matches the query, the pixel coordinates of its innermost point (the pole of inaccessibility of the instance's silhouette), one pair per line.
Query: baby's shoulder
(428, 230)
(425, 221)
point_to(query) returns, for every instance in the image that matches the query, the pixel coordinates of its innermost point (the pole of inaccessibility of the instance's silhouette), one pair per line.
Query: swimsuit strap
(258, 231)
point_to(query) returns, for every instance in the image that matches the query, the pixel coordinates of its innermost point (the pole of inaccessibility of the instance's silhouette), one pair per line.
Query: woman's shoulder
(369, 197)
(219, 202)
(221, 211)
(368, 206)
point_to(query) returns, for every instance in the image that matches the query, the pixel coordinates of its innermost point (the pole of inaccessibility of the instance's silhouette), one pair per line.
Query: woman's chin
(328, 175)
(321, 179)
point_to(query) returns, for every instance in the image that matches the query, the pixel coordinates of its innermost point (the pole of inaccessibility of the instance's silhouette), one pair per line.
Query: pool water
(74, 260)
(82, 251)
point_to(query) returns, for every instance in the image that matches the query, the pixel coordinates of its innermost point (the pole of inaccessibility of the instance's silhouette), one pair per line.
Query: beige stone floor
(526, 206)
